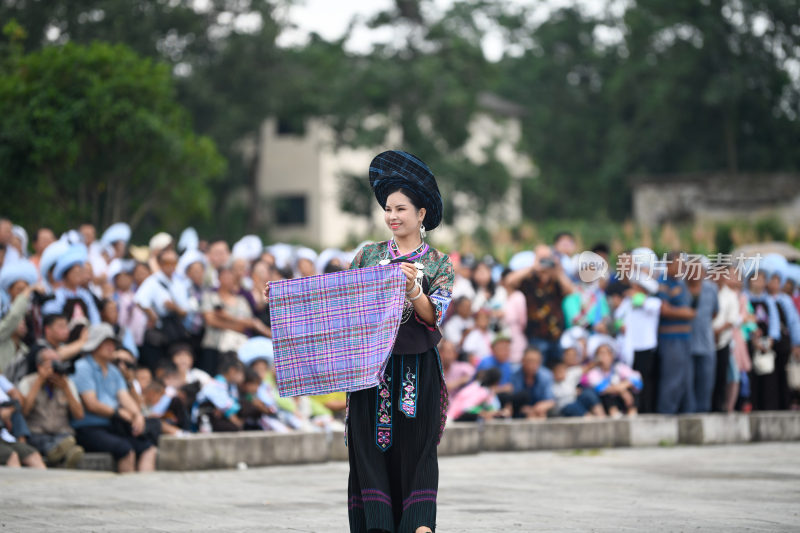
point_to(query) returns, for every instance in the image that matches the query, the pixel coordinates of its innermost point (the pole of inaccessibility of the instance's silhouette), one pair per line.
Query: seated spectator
(109, 312)
(456, 373)
(478, 342)
(572, 399)
(478, 399)
(183, 358)
(167, 408)
(56, 337)
(15, 454)
(617, 384)
(219, 398)
(460, 323)
(13, 419)
(267, 393)
(533, 387)
(259, 409)
(50, 401)
(499, 359)
(113, 421)
(126, 363)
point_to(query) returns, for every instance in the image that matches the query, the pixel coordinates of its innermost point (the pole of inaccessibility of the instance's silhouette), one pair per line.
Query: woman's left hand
(411, 274)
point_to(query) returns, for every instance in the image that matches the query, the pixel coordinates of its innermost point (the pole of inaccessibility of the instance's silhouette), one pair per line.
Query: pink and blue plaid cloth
(335, 332)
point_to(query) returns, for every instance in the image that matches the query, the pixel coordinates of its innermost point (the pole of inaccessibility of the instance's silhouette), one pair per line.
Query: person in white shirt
(638, 338)
(728, 318)
(460, 322)
(160, 296)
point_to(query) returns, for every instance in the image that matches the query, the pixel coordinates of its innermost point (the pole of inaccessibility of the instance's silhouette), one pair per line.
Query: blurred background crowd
(105, 346)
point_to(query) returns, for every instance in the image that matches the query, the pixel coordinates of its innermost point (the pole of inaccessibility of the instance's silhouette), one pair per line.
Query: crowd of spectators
(105, 346)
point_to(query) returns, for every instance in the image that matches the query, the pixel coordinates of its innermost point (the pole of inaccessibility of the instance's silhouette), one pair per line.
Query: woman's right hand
(266, 292)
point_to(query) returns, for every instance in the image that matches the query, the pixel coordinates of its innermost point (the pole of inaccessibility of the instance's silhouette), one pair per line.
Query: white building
(299, 178)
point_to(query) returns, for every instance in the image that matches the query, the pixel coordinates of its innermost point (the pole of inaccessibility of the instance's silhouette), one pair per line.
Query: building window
(290, 210)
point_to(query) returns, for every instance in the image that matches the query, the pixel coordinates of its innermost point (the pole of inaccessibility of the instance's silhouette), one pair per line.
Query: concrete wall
(197, 452)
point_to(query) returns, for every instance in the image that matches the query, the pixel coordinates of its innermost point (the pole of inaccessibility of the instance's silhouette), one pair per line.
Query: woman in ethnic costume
(393, 429)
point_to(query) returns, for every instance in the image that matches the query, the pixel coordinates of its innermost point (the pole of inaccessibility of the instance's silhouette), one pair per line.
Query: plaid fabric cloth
(335, 332)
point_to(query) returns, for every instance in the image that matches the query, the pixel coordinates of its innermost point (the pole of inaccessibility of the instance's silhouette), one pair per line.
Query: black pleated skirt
(393, 431)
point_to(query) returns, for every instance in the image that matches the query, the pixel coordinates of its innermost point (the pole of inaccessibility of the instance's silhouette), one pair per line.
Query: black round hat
(392, 169)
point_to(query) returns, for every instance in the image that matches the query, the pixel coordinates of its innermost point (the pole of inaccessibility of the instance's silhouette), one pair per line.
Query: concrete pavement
(747, 487)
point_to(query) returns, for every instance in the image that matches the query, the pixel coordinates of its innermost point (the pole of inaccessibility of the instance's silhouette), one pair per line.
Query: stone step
(258, 448)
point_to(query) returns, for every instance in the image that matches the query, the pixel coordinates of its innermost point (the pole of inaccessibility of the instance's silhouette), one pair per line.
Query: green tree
(94, 133)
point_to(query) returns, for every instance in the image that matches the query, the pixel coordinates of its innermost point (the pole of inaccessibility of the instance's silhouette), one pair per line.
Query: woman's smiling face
(401, 216)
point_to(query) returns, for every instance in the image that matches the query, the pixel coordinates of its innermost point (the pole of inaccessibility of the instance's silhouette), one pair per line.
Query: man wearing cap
(72, 298)
(113, 421)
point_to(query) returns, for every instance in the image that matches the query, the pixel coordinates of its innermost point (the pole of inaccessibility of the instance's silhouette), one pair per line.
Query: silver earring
(422, 232)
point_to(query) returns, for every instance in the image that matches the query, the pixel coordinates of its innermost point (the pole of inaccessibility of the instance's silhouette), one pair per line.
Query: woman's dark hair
(489, 377)
(415, 201)
(489, 286)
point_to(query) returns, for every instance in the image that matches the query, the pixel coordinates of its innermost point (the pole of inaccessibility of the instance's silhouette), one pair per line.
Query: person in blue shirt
(675, 391)
(499, 359)
(113, 421)
(533, 387)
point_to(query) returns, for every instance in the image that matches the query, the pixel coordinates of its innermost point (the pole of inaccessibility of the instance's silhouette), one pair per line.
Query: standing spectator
(227, 316)
(674, 336)
(587, 307)
(218, 256)
(50, 400)
(544, 284)
(43, 238)
(72, 298)
(487, 294)
(638, 315)
(456, 373)
(763, 377)
(515, 319)
(533, 387)
(703, 348)
(789, 322)
(17, 280)
(163, 298)
(130, 316)
(727, 320)
(113, 421)
(564, 247)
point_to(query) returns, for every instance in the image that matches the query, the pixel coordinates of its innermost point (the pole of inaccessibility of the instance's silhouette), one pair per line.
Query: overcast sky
(329, 18)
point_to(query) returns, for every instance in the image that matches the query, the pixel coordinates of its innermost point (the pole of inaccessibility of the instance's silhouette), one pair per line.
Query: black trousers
(394, 488)
(718, 397)
(646, 363)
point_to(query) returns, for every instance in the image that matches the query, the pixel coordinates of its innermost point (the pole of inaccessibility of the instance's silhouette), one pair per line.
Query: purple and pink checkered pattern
(335, 332)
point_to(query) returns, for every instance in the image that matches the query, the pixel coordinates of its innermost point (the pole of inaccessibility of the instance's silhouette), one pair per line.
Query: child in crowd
(572, 399)
(460, 322)
(456, 373)
(617, 384)
(478, 342)
(166, 407)
(478, 399)
(218, 400)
